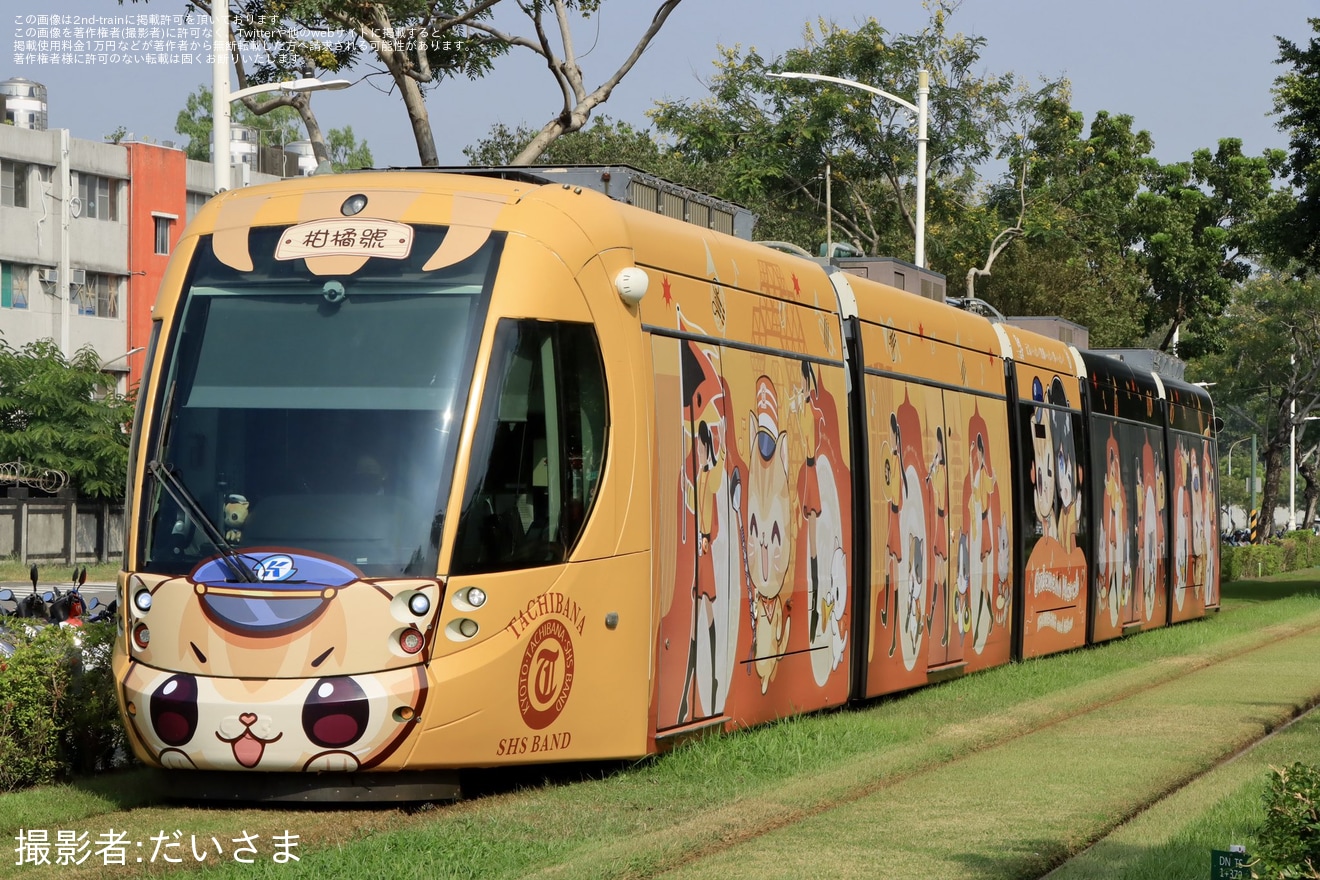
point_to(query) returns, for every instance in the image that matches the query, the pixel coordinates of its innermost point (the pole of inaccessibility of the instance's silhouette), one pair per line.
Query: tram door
(697, 566)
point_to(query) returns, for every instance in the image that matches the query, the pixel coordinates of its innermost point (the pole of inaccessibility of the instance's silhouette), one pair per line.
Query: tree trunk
(400, 68)
(303, 104)
(1311, 495)
(1275, 465)
(419, 117)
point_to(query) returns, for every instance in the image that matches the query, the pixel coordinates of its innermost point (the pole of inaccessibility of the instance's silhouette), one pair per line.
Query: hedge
(1295, 550)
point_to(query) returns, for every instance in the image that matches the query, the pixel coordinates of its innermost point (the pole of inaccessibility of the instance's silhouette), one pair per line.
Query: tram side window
(539, 448)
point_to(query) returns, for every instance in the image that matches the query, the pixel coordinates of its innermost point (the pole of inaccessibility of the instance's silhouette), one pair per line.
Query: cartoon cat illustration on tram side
(769, 535)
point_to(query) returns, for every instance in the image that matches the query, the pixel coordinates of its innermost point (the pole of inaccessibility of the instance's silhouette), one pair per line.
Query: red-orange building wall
(156, 191)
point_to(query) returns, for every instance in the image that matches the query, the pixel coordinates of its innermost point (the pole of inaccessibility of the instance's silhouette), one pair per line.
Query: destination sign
(354, 236)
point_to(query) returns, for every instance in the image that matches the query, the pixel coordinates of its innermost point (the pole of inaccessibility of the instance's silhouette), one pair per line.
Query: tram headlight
(411, 641)
(468, 627)
(476, 597)
(419, 604)
(142, 600)
(353, 205)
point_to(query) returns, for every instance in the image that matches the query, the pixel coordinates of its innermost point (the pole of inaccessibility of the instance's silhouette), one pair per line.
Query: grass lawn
(1175, 836)
(1004, 774)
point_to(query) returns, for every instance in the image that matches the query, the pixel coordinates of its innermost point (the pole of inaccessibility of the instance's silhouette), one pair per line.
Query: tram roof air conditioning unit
(50, 276)
(78, 277)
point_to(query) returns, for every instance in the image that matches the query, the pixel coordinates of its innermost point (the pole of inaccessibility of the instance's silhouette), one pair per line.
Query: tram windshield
(313, 413)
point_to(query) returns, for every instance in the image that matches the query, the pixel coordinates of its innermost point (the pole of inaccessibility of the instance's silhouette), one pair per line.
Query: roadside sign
(1229, 865)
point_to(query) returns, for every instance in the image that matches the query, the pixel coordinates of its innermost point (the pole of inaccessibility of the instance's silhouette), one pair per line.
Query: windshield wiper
(182, 497)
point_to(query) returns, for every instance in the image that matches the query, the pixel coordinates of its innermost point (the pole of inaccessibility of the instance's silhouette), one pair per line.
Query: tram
(434, 471)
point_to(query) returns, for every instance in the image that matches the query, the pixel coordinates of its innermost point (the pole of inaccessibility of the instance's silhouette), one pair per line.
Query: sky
(1188, 71)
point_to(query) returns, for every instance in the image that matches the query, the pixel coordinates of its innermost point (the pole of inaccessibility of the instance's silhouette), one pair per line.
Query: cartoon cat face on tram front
(265, 675)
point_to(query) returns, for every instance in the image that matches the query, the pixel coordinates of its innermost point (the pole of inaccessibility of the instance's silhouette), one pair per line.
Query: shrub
(34, 682)
(1260, 560)
(1289, 547)
(1308, 548)
(58, 714)
(1295, 550)
(1288, 843)
(1230, 563)
(94, 733)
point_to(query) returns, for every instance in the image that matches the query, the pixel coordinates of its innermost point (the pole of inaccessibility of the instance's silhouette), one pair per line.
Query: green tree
(775, 138)
(287, 54)
(421, 43)
(1076, 257)
(609, 142)
(603, 142)
(1270, 377)
(346, 154)
(64, 414)
(1199, 222)
(1145, 250)
(1297, 102)
(552, 40)
(418, 43)
(278, 128)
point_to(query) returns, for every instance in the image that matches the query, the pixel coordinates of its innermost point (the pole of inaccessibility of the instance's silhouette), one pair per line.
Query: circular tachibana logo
(545, 677)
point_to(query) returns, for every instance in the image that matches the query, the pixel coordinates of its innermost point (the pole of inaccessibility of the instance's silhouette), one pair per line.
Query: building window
(162, 235)
(13, 183)
(14, 285)
(98, 296)
(100, 197)
(195, 200)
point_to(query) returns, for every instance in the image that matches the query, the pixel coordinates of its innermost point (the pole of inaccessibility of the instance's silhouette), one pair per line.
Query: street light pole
(1234, 445)
(920, 110)
(220, 56)
(222, 97)
(1292, 467)
(923, 93)
(1292, 464)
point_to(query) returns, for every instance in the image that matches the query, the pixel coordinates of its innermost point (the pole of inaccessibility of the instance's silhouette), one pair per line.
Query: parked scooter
(30, 613)
(102, 612)
(63, 607)
(32, 606)
(68, 608)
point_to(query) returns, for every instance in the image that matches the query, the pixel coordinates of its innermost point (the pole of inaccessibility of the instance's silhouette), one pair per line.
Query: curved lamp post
(919, 110)
(1234, 445)
(116, 358)
(222, 97)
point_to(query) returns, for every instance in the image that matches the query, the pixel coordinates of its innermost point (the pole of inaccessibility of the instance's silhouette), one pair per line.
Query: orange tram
(436, 471)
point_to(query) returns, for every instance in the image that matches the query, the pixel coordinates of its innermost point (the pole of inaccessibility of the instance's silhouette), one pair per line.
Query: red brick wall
(156, 186)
